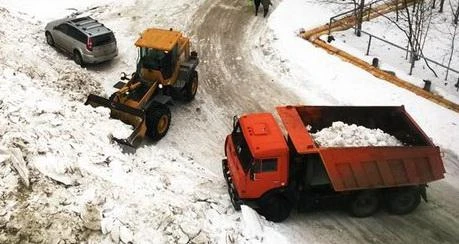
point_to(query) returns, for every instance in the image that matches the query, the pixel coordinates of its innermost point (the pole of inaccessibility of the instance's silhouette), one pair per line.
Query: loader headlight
(160, 86)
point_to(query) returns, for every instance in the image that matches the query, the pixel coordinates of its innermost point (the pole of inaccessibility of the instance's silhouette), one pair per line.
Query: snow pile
(257, 230)
(63, 180)
(343, 135)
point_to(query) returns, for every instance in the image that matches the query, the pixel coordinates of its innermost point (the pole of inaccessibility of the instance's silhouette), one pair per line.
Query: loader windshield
(242, 149)
(156, 59)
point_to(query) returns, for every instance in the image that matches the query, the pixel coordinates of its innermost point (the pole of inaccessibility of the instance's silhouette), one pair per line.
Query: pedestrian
(257, 4)
(266, 4)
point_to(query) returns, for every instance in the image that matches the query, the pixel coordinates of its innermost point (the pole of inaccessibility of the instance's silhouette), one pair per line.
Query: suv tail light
(89, 44)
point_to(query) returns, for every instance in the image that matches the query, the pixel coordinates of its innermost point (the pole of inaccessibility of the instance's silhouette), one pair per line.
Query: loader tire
(275, 208)
(158, 121)
(364, 204)
(191, 87)
(403, 201)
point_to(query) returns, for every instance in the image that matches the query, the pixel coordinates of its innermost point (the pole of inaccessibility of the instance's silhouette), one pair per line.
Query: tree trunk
(442, 2)
(433, 4)
(452, 51)
(456, 16)
(360, 17)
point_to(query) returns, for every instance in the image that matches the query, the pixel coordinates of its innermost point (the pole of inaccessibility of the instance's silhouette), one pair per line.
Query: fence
(367, 9)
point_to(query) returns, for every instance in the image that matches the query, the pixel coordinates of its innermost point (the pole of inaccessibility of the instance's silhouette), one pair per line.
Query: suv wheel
(49, 39)
(77, 58)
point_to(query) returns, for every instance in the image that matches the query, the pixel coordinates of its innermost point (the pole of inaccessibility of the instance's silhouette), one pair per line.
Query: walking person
(266, 4)
(257, 4)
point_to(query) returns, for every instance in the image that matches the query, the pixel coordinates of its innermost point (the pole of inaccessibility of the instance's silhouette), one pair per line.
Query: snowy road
(232, 83)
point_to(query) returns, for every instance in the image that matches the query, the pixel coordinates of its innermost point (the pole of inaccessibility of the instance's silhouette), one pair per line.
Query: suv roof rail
(92, 26)
(83, 21)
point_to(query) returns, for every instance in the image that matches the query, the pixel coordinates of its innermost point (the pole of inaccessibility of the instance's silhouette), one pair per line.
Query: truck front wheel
(364, 204)
(275, 208)
(403, 201)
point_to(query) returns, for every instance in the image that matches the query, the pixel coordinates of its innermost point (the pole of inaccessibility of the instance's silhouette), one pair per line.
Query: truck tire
(234, 198)
(275, 208)
(191, 87)
(158, 121)
(403, 201)
(364, 204)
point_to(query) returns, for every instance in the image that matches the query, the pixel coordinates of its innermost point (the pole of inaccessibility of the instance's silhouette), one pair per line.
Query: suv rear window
(103, 39)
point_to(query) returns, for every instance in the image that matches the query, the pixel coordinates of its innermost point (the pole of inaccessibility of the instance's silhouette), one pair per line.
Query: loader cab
(258, 155)
(158, 51)
(154, 59)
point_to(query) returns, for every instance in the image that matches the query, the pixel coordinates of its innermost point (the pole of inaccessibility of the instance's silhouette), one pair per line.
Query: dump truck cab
(257, 155)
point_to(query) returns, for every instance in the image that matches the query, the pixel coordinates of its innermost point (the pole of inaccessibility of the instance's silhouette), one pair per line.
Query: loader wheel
(364, 204)
(275, 208)
(403, 201)
(49, 39)
(158, 121)
(77, 58)
(191, 87)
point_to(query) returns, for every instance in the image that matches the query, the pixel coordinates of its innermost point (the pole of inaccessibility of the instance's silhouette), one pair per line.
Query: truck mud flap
(130, 116)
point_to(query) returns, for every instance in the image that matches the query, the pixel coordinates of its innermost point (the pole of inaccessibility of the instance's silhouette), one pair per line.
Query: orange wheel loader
(166, 71)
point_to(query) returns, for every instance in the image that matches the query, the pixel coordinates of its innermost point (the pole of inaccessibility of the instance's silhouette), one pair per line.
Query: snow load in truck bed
(340, 134)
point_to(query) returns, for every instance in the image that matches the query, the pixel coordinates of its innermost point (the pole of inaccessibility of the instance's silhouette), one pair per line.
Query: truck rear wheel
(364, 204)
(275, 208)
(403, 201)
(158, 121)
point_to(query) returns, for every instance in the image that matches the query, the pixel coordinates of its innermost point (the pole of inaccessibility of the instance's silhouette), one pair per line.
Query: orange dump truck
(273, 173)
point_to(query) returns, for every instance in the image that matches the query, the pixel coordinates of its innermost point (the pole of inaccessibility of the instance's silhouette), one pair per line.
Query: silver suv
(87, 40)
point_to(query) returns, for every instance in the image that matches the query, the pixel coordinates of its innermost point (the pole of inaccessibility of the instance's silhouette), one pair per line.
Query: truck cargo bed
(352, 168)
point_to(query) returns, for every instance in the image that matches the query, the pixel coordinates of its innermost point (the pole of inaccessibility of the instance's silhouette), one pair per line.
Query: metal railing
(367, 10)
(405, 50)
(353, 13)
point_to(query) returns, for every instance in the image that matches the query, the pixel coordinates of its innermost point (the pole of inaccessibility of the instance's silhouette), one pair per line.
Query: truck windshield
(243, 153)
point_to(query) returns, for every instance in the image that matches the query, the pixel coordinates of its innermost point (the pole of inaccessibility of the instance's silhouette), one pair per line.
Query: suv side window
(265, 165)
(64, 28)
(76, 34)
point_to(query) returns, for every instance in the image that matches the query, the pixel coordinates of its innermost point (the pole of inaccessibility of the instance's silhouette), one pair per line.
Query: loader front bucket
(129, 115)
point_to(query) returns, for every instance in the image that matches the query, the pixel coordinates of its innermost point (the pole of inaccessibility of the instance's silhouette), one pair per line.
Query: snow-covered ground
(437, 47)
(83, 188)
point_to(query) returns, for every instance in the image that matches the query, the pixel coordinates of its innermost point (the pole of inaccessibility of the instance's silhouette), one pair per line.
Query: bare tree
(455, 13)
(452, 49)
(415, 23)
(453, 33)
